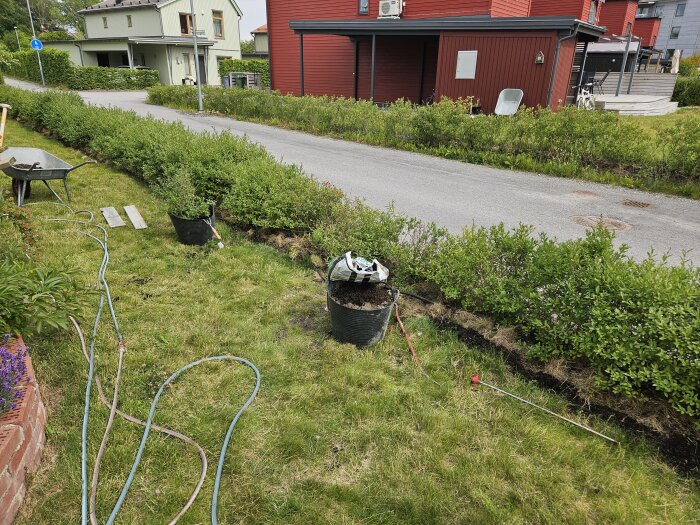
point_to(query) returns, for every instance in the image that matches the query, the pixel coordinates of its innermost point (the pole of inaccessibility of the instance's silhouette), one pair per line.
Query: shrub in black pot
(191, 215)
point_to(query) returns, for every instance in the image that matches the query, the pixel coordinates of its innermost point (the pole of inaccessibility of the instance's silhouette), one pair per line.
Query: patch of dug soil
(362, 296)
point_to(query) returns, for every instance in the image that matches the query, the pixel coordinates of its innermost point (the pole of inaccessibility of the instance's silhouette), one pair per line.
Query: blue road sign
(36, 44)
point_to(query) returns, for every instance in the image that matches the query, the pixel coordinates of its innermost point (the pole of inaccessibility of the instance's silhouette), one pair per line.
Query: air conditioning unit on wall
(390, 8)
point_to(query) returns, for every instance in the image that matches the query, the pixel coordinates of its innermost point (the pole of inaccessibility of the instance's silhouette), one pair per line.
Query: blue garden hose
(227, 439)
(102, 282)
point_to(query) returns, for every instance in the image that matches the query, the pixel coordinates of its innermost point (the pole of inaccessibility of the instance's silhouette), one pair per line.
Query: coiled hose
(105, 296)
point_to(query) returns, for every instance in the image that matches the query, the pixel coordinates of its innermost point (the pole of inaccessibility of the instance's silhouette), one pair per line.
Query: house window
(680, 9)
(186, 23)
(104, 22)
(218, 23)
(128, 21)
(675, 31)
(186, 61)
(363, 7)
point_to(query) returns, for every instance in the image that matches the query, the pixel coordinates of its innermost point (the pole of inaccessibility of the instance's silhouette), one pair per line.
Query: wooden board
(112, 217)
(135, 217)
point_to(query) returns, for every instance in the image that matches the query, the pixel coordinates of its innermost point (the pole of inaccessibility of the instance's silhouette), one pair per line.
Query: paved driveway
(455, 194)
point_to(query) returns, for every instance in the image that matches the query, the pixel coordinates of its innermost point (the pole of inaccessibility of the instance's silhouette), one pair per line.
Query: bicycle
(585, 99)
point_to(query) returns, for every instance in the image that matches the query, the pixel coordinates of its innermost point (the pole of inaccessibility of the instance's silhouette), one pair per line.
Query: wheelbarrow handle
(80, 165)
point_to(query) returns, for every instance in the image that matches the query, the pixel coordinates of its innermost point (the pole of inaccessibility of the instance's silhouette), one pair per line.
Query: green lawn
(653, 124)
(336, 435)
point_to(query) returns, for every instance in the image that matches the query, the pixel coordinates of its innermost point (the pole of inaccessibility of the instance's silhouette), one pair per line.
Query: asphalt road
(456, 194)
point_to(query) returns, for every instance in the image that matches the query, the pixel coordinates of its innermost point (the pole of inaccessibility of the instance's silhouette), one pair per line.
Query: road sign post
(38, 45)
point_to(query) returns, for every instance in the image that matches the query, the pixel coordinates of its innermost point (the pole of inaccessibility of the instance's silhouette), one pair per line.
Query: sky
(253, 16)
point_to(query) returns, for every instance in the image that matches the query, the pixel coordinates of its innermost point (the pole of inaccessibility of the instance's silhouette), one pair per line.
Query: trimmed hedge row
(247, 66)
(60, 71)
(567, 142)
(635, 323)
(92, 77)
(687, 91)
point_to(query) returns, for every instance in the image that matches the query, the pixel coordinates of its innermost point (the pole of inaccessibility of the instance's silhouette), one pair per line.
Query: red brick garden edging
(21, 442)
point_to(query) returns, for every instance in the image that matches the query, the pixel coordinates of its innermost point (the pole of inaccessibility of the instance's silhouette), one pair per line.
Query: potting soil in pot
(362, 296)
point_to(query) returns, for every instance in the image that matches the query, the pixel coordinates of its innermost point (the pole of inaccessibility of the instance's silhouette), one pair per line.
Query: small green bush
(246, 66)
(266, 194)
(687, 91)
(32, 298)
(181, 198)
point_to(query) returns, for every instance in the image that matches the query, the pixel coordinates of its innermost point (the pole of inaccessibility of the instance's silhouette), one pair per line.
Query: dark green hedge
(60, 71)
(636, 323)
(90, 77)
(687, 91)
(247, 66)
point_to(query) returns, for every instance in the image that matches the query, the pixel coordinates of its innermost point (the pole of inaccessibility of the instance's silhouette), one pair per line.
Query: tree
(11, 16)
(247, 46)
(69, 13)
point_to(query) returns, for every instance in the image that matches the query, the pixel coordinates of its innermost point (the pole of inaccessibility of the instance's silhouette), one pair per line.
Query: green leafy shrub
(58, 69)
(267, 194)
(687, 91)
(567, 142)
(690, 66)
(246, 66)
(10, 40)
(635, 323)
(180, 197)
(89, 77)
(33, 299)
(55, 36)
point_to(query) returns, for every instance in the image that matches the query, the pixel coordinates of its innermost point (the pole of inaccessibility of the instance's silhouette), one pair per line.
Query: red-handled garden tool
(476, 381)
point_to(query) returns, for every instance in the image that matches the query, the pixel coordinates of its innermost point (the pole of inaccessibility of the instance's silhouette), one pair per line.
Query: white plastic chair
(508, 102)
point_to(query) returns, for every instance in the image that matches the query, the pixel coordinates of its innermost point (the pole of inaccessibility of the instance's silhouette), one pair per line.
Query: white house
(158, 34)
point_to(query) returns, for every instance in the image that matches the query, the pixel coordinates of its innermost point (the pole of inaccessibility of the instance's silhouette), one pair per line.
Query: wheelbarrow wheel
(17, 187)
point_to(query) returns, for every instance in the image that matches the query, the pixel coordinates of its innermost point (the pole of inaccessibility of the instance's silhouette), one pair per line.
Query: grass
(336, 435)
(654, 124)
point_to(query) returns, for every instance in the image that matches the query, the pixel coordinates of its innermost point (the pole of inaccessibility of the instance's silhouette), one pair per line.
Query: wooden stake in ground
(5, 109)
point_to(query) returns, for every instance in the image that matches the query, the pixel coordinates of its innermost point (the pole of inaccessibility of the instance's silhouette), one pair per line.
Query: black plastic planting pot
(358, 327)
(193, 231)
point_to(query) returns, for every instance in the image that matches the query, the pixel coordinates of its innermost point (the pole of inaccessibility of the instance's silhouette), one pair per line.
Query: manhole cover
(591, 221)
(636, 204)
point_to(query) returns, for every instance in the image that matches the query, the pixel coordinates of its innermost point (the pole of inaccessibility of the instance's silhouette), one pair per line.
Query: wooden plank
(112, 217)
(135, 217)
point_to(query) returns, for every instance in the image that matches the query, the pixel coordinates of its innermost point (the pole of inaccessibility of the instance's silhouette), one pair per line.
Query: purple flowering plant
(13, 371)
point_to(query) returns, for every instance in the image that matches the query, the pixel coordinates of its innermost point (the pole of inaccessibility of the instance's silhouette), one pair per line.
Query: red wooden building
(452, 48)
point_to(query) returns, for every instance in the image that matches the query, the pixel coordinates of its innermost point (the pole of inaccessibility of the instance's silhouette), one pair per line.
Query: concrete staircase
(647, 105)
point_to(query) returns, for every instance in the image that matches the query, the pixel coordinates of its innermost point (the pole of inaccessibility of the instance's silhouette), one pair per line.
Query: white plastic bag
(358, 270)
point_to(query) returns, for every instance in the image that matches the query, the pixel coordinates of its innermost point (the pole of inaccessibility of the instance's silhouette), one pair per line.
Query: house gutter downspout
(573, 33)
(80, 49)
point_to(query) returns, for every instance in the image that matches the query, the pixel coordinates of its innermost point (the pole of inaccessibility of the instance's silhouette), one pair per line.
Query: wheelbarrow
(24, 165)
